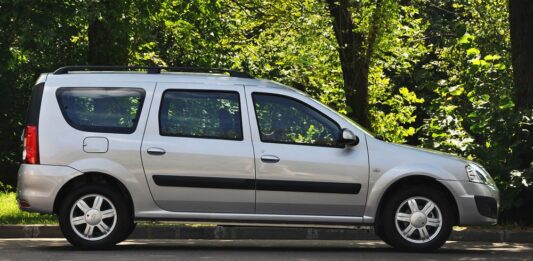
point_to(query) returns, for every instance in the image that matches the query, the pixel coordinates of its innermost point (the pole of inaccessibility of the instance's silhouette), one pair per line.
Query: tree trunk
(354, 63)
(108, 37)
(356, 89)
(521, 20)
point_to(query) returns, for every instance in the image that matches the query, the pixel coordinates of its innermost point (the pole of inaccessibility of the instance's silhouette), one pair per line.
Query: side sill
(247, 218)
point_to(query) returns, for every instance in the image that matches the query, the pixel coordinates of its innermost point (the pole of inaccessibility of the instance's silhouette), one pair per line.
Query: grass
(11, 214)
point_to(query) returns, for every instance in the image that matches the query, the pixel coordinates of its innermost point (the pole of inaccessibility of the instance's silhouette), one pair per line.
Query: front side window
(112, 110)
(201, 114)
(285, 120)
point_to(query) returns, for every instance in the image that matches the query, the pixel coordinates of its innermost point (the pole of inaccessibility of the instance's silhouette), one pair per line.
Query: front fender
(381, 182)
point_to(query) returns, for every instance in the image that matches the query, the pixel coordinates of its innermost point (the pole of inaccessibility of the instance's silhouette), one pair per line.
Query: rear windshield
(112, 110)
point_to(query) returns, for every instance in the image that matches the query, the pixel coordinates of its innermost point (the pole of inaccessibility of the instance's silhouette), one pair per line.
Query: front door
(300, 167)
(197, 150)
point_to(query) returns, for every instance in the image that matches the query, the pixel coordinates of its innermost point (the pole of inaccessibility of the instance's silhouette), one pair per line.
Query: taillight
(30, 153)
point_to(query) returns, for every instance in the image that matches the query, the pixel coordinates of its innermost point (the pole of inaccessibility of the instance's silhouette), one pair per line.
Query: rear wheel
(95, 217)
(417, 219)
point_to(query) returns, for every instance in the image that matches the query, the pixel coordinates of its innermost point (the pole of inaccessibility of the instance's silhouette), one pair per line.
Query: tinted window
(285, 120)
(202, 114)
(114, 110)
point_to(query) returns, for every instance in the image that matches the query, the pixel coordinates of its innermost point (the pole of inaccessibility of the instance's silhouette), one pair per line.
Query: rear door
(197, 152)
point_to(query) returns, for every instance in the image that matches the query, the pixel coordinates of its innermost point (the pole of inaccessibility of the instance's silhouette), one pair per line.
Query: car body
(202, 146)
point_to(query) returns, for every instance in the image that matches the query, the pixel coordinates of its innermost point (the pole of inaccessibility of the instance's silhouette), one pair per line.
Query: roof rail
(151, 69)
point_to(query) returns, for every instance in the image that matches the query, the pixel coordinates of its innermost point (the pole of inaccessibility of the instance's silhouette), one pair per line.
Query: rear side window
(201, 114)
(111, 110)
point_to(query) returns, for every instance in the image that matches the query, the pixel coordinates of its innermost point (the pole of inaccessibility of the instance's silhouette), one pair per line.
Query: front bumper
(477, 203)
(38, 185)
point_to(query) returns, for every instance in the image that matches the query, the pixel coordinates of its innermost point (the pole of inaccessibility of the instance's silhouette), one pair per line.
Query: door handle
(269, 159)
(156, 151)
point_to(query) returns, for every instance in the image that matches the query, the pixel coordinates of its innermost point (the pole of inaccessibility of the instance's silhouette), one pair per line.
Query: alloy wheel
(93, 217)
(418, 219)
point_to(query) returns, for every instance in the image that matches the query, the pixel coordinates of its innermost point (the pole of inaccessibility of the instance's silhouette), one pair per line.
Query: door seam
(141, 146)
(253, 147)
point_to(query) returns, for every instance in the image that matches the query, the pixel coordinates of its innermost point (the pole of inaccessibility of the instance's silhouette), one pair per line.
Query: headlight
(477, 174)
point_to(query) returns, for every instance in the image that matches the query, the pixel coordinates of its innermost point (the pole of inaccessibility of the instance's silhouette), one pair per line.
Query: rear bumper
(38, 185)
(477, 203)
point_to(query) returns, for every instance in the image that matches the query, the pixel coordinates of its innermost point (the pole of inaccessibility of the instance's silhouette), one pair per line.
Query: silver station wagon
(107, 146)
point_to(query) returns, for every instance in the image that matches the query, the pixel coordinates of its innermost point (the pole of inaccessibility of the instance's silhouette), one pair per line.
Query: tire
(378, 230)
(427, 228)
(112, 216)
(130, 231)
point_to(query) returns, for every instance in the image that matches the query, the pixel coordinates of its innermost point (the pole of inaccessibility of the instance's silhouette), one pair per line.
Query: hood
(432, 152)
(403, 158)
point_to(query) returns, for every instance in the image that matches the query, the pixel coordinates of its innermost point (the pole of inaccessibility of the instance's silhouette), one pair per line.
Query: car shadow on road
(469, 249)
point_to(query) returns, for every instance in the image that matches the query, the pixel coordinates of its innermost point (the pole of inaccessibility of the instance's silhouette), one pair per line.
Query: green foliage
(5, 188)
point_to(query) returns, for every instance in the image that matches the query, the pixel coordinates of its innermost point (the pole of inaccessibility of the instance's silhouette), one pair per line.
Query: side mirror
(347, 138)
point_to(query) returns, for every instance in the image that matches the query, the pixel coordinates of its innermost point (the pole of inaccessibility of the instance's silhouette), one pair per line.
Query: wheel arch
(93, 178)
(416, 180)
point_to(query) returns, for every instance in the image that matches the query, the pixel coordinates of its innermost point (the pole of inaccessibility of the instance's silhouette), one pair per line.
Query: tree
(357, 40)
(107, 33)
(521, 20)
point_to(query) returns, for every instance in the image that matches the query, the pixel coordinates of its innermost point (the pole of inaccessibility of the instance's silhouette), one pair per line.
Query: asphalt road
(153, 249)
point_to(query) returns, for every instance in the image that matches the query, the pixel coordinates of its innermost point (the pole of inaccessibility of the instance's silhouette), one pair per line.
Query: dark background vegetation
(452, 75)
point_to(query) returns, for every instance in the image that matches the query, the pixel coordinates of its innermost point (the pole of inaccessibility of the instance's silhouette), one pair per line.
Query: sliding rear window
(111, 110)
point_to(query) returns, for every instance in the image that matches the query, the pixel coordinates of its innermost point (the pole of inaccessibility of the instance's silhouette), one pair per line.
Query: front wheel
(95, 217)
(417, 219)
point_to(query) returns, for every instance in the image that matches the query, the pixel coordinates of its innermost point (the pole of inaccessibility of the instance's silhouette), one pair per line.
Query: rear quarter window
(111, 110)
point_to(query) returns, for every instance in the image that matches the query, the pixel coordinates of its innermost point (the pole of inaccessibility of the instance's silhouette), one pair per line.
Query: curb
(244, 232)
